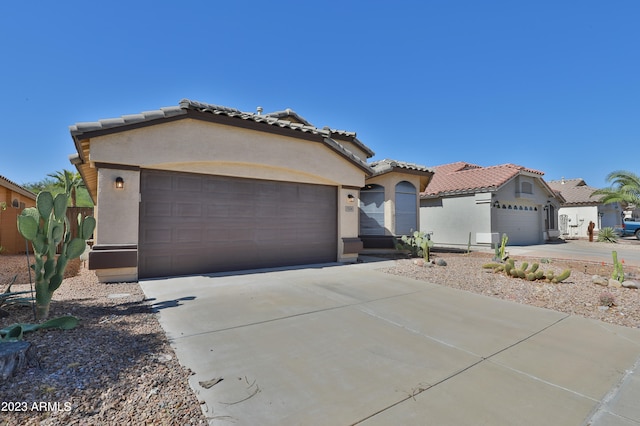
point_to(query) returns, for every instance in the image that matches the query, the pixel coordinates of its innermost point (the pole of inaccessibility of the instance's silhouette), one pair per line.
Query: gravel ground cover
(117, 367)
(577, 295)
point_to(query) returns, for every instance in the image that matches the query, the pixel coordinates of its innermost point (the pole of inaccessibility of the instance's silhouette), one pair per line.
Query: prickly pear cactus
(46, 226)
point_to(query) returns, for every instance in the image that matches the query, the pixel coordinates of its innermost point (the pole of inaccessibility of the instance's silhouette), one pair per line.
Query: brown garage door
(193, 223)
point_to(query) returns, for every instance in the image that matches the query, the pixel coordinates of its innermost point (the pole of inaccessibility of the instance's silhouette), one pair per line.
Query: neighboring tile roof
(385, 166)
(16, 188)
(464, 178)
(575, 191)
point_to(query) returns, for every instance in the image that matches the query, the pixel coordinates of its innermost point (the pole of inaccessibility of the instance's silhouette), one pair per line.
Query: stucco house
(14, 198)
(580, 208)
(486, 202)
(389, 202)
(200, 188)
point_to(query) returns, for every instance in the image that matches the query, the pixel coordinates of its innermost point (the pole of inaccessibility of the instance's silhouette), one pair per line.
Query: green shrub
(608, 235)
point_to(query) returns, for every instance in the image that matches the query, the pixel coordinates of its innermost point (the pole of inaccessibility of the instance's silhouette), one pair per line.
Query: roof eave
(17, 188)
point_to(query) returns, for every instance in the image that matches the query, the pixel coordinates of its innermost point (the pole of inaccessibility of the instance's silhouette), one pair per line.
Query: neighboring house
(389, 202)
(468, 203)
(15, 198)
(200, 188)
(580, 208)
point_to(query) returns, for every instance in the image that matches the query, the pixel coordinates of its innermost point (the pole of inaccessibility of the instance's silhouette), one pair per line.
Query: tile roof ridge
(19, 187)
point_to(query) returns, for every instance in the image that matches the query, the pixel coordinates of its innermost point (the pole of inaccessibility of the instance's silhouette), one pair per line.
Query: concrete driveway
(628, 248)
(344, 345)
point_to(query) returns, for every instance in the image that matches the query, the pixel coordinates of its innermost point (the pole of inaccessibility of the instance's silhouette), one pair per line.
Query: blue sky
(551, 85)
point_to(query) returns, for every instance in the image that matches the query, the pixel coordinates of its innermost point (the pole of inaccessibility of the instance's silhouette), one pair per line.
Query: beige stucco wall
(117, 209)
(196, 146)
(389, 182)
(7, 196)
(348, 221)
(355, 149)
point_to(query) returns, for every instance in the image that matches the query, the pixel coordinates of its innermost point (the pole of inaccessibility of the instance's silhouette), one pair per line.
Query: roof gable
(286, 123)
(575, 191)
(461, 178)
(386, 166)
(4, 182)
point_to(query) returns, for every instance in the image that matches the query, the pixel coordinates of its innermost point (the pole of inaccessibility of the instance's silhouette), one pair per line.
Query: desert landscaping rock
(614, 283)
(599, 280)
(116, 368)
(577, 295)
(630, 284)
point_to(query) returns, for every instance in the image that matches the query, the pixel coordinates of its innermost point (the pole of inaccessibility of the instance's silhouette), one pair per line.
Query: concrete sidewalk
(343, 345)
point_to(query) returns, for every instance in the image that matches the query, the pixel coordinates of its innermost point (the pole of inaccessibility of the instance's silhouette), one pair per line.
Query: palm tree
(70, 181)
(624, 189)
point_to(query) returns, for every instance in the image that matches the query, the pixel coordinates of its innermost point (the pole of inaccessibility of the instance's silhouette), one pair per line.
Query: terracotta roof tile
(575, 191)
(461, 177)
(7, 183)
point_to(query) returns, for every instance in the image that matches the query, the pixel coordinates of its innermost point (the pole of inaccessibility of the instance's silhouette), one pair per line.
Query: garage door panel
(214, 223)
(521, 226)
(188, 184)
(157, 209)
(188, 209)
(161, 183)
(157, 235)
(188, 235)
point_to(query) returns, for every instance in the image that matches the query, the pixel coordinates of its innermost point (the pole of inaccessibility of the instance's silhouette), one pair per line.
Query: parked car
(629, 227)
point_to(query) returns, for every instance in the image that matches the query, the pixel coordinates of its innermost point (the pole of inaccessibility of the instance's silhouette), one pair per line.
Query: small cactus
(618, 272)
(497, 267)
(563, 276)
(532, 274)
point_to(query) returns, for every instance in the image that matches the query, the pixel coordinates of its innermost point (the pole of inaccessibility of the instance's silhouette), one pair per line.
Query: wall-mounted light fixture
(351, 198)
(119, 183)
(496, 204)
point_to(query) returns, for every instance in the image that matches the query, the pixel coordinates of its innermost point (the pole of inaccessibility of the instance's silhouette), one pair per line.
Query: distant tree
(624, 189)
(45, 184)
(55, 187)
(69, 181)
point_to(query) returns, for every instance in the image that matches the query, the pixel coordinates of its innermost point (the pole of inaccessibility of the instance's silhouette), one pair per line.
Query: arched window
(372, 210)
(406, 208)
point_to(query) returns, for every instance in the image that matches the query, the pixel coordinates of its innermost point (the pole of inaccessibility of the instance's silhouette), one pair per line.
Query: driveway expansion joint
(481, 359)
(300, 314)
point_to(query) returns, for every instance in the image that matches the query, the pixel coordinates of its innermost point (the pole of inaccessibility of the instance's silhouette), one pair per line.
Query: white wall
(578, 220)
(451, 219)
